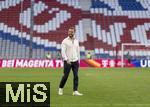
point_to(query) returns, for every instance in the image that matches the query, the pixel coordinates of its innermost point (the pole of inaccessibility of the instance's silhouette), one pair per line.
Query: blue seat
(131, 5)
(100, 4)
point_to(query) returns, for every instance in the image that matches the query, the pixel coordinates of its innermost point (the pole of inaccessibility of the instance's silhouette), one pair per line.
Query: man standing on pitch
(71, 55)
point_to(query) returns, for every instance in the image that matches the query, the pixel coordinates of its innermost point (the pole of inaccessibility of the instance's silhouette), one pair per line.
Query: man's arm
(63, 51)
(78, 49)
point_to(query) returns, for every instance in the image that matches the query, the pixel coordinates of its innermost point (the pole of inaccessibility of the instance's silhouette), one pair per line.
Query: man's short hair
(72, 28)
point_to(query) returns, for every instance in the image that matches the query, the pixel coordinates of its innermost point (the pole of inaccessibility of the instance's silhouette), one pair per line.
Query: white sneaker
(76, 93)
(60, 91)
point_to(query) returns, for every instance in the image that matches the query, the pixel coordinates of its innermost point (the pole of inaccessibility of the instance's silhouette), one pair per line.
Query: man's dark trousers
(67, 68)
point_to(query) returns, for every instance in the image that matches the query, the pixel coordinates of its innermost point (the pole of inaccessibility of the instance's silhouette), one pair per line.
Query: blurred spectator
(48, 55)
(88, 55)
(58, 54)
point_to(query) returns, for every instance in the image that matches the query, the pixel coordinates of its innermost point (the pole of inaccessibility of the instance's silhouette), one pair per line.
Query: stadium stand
(101, 26)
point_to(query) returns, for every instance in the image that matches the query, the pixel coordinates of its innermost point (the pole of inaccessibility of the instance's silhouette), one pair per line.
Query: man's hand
(68, 62)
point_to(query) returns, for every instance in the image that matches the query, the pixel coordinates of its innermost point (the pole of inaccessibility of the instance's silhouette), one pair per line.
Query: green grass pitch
(113, 87)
